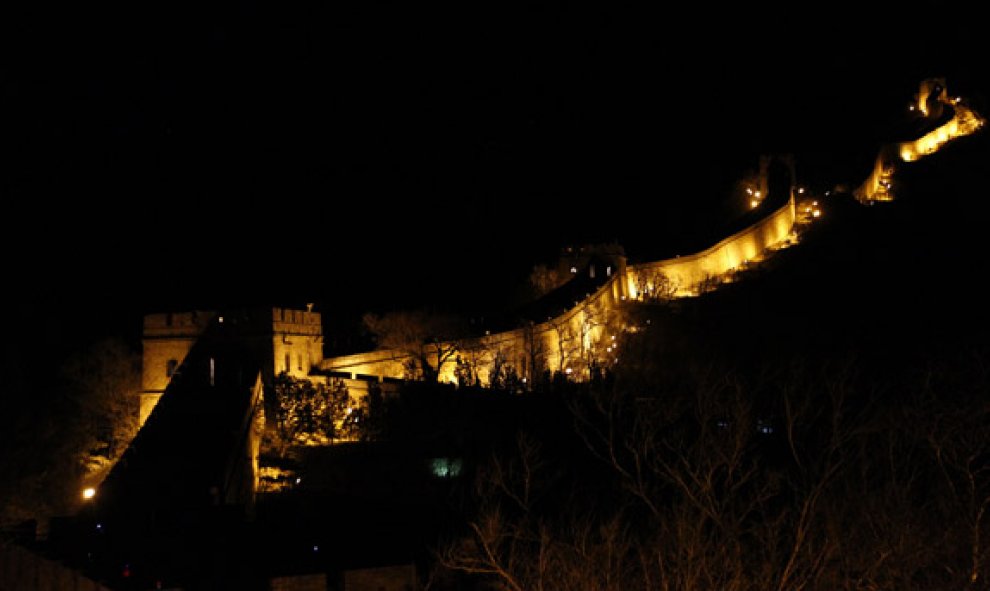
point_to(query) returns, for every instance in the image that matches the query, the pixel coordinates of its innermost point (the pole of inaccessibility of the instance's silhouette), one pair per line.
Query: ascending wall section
(931, 100)
(963, 123)
(585, 335)
(690, 271)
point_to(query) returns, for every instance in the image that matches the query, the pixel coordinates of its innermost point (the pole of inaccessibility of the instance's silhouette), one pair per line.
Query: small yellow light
(749, 191)
(817, 213)
(756, 194)
(753, 203)
(801, 191)
(88, 493)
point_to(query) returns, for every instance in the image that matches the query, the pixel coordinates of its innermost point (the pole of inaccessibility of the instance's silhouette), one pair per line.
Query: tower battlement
(299, 322)
(283, 340)
(177, 324)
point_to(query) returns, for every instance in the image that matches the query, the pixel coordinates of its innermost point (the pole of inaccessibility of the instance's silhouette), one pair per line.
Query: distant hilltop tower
(600, 260)
(281, 339)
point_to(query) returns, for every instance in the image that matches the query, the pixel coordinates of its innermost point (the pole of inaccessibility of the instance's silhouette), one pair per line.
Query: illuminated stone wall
(565, 342)
(166, 341)
(963, 123)
(689, 271)
(571, 341)
(877, 186)
(932, 97)
(383, 363)
(297, 338)
(275, 335)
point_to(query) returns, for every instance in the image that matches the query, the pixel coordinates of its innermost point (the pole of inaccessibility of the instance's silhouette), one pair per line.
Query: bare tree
(724, 516)
(534, 353)
(780, 478)
(567, 341)
(431, 341)
(959, 443)
(709, 283)
(514, 545)
(653, 285)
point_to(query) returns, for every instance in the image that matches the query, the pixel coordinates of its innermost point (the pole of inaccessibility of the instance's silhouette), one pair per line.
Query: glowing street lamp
(88, 493)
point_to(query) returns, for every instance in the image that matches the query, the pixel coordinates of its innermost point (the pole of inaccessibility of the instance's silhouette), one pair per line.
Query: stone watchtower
(166, 341)
(281, 339)
(285, 340)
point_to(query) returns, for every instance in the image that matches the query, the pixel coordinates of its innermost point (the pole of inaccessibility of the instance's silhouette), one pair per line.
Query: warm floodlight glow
(753, 203)
(965, 122)
(88, 493)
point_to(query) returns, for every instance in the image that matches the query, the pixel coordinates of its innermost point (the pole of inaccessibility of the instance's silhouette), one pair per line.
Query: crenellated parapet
(166, 340)
(281, 340)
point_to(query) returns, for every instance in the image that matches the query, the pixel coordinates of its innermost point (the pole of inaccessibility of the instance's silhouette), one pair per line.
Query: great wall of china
(575, 340)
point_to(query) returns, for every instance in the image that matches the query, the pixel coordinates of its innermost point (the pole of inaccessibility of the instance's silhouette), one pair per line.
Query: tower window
(288, 363)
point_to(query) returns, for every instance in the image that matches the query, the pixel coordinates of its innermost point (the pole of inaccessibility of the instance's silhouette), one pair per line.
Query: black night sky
(369, 155)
